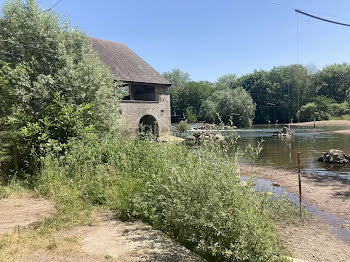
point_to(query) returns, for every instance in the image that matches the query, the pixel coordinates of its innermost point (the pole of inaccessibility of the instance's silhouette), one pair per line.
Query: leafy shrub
(190, 116)
(307, 112)
(343, 117)
(52, 132)
(183, 127)
(322, 109)
(194, 196)
(338, 110)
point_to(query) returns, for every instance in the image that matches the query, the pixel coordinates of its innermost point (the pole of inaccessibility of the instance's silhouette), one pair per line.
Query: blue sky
(208, 38)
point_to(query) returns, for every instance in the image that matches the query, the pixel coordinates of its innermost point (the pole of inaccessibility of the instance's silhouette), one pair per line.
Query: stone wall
(132, 111)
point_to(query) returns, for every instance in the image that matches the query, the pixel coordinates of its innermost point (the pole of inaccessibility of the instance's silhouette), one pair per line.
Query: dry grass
(20, 242)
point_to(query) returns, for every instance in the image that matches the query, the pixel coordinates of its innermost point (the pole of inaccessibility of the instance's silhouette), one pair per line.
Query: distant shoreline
(345, 132)
(325, 123)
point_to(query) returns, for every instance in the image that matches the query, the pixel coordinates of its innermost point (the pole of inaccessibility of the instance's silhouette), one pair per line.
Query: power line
(335, 16)
(320, 18)
(310, 11)
(52, 7)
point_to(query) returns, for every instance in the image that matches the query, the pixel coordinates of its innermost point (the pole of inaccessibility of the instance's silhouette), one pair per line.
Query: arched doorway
(148, 125)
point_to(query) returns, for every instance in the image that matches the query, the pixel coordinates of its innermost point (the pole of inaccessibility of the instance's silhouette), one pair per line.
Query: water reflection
(282, 151)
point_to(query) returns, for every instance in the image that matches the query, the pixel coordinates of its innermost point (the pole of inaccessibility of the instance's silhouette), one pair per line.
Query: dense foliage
(195, 197)
(234, 105)
(278, 94)
(53, 86)
(206, 101)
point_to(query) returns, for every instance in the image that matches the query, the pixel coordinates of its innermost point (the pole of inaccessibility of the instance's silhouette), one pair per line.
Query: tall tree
(260, 88)
(55, 82)
(333, 81)
(227, 81)
(289, 92)
(178, 79)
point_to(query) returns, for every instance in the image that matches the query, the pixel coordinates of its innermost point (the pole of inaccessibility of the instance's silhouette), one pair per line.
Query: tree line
(284, 94)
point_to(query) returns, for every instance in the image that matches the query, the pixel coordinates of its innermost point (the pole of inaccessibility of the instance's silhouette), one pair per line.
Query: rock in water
(334, 156)
(200, 137)
(285, 131)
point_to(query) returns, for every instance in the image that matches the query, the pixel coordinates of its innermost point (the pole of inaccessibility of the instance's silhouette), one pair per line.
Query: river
(281, 152)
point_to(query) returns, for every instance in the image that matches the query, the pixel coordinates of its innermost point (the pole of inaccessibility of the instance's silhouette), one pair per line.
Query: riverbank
(324, 123)
(314, 239)
(329, 193)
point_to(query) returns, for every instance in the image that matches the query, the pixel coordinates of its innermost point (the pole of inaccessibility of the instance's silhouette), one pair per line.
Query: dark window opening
(143, 92)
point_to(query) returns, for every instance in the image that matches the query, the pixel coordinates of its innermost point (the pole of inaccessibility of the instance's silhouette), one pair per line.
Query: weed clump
(196, 197)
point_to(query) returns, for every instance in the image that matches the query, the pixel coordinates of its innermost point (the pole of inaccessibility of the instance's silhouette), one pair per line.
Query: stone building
(147, 105)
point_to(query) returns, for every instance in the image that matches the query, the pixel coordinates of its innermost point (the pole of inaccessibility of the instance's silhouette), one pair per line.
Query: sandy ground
(109, 240)
(345, 132)
(22, 212)
(313, 242)
(130, 241)
(45, 257)
(324, 123)
(331, 194)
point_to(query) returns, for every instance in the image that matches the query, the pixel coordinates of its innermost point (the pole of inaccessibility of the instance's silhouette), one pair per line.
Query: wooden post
(299, 178)
(314, 126)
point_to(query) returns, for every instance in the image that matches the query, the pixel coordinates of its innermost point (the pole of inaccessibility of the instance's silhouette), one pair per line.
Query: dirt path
(22, 212)
(130, 241)
(109, 240)
(114, 240)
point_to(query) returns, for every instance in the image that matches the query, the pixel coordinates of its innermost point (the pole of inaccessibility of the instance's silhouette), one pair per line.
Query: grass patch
(15, 245)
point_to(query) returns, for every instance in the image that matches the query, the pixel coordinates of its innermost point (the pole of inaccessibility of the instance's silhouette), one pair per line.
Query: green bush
(337, 110)
(322, 109)
(183, 127)
(193, 196)
(190, 116)
(307, 112)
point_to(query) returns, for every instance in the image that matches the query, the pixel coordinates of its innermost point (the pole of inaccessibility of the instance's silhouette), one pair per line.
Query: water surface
(282, 152)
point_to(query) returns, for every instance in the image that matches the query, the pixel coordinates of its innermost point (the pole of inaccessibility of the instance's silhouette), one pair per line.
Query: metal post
(299, 178)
